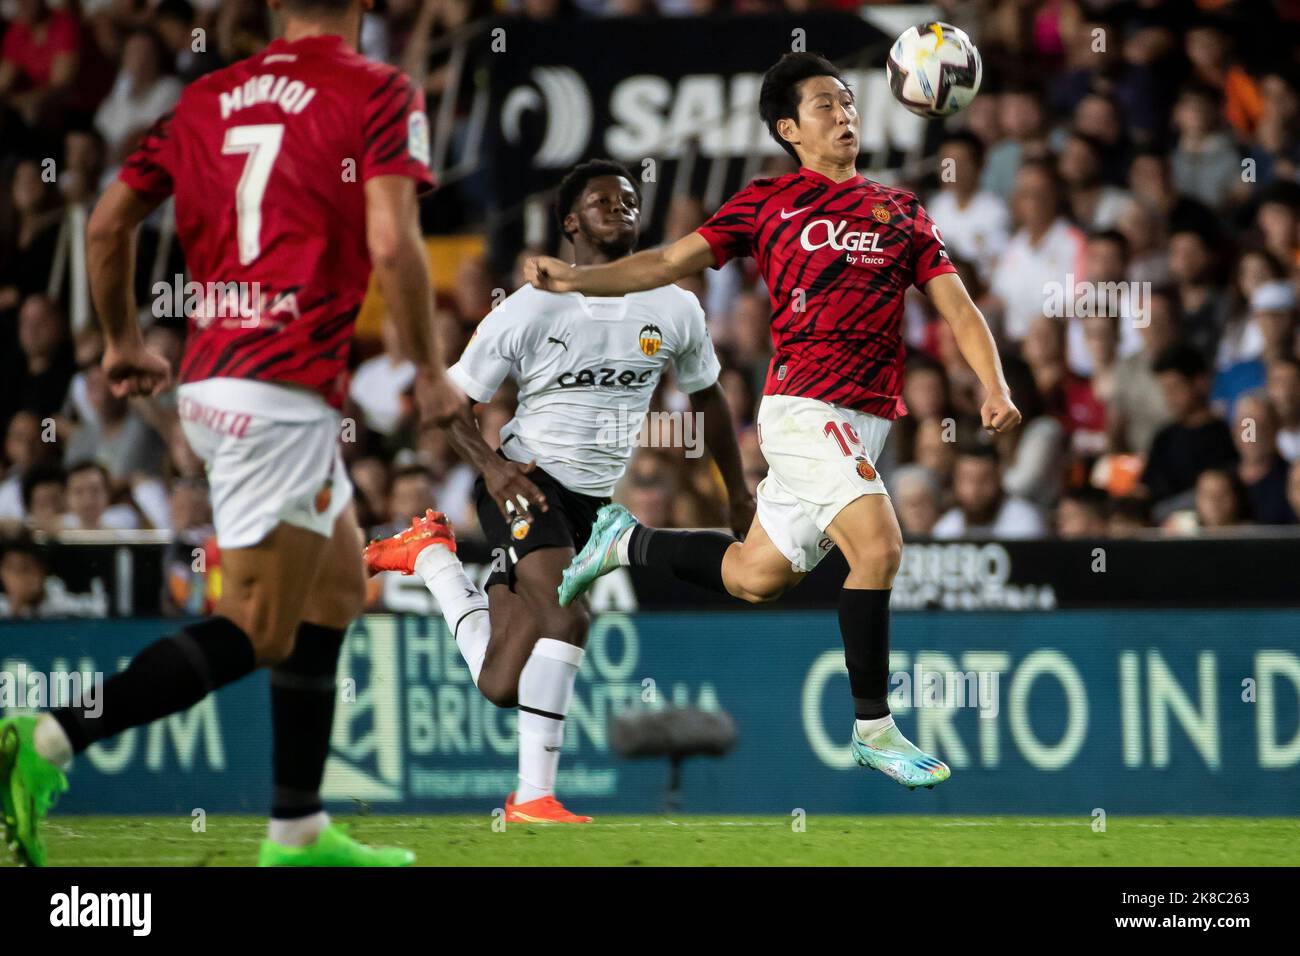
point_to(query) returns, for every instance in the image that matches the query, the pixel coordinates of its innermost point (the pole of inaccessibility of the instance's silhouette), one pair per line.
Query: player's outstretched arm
(635, 273)
(110, 255)
(950, 298)
(397, 257)
(720, 439)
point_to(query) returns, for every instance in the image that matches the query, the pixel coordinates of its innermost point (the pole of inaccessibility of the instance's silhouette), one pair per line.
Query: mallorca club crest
(865, 471)
(880, 213)
(519, 528)
(650, 338)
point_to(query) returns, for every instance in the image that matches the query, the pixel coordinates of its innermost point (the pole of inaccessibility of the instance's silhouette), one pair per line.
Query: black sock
(302, 715)
(864, 626)
(168, 676)
(694, 556)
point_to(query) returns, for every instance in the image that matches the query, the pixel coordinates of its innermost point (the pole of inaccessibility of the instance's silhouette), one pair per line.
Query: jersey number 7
(261, 145)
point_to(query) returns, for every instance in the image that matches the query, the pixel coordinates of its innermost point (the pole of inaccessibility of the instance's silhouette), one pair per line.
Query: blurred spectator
(29, 234)
(1094, 204)
(23, 448)
(1194, 268)
(118, 438)
(1127, 517)
(46, 365)
(1044, 251)
(975, 222)
(1195, 440)
(1082, 514)
(381, 384)
(23, 573)
(141, 94)
(983, 509)
(411, 492)
(1137, 407)
(1261, 470)
(89, 501)
(1272, 316)
(916, 495)
(1206, 164)
(40, 60)
(1034, 453)
(1021, 118)
(44, 502)
(1220, 500)
(1283, 388)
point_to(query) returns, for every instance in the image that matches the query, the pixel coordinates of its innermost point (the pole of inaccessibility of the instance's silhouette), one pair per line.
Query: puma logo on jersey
(550, 339)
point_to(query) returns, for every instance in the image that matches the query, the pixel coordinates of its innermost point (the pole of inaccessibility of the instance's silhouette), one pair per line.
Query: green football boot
(899, 759)
(333, 848)
(29, 787)
(599, 555)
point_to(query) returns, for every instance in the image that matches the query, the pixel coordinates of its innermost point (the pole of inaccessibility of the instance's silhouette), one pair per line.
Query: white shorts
(821, 458)
(272, 456)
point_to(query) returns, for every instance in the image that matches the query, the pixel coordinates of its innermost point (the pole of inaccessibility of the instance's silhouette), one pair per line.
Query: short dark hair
(308, 6)
(979, 449)
(89, 465)
(1181, 358)
(42, 473)
(572, 185)
(779, 97)
(1114, 237)
(968, 139)
(24, 543)
(413, 470)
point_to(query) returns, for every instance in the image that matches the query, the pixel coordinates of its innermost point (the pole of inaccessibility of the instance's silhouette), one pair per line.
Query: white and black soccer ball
(934, 69)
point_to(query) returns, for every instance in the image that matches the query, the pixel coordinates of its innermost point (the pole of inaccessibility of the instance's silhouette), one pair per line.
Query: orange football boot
(399, 552)
(542, 810)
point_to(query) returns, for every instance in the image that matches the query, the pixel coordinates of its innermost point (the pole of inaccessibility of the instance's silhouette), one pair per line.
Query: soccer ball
(934, 69)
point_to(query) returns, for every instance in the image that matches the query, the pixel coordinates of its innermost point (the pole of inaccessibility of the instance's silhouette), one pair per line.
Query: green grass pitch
(713, 841)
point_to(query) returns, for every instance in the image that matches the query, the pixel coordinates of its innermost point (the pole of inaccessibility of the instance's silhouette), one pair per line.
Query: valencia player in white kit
(837, 253)
(587, 368)
(257, 157)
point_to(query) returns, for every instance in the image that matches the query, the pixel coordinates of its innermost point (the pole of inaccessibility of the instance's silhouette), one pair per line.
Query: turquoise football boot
(899, 759)
(599, 556)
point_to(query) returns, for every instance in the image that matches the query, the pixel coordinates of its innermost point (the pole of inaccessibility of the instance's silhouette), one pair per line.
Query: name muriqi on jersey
(605, 378)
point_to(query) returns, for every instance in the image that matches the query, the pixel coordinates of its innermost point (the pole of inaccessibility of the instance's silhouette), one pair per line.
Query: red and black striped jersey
(267, 159)
(837, 259)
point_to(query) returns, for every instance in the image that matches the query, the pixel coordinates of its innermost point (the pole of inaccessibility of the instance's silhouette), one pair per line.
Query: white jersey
(587, 368)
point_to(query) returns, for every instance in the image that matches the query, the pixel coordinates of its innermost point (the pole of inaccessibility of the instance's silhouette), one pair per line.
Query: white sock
(463, 606)
(623, 541)
(52, 742)
(301, 831)
(545, 688)
(472, 636)
(869, 728)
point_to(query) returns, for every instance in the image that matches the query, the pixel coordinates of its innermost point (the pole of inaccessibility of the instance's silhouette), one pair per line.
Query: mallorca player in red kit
(294, 172)
(836, 252)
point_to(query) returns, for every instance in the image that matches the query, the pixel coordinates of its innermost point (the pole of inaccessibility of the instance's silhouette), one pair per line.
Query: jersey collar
(817, 177)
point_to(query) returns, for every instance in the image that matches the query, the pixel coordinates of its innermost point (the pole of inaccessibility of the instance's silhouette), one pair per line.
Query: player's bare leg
(867, 532)
(303, 694)
(522, 648)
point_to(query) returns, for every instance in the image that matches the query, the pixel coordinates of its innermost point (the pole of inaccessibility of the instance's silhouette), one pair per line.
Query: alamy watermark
(620, 428)
(25, 689)
(945, 689)
(1074, 299)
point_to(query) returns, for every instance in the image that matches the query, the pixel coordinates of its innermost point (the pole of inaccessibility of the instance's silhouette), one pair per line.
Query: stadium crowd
(1122, 199)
